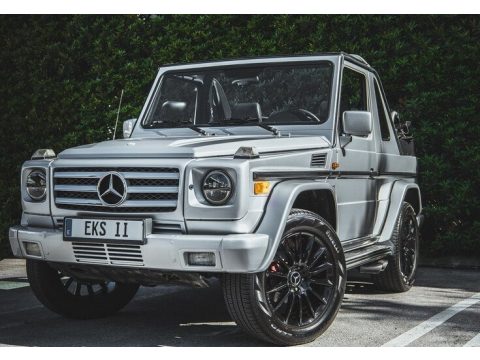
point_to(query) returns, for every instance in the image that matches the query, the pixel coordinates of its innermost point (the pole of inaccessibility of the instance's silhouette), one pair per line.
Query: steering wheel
(307, 114)
(295, 115)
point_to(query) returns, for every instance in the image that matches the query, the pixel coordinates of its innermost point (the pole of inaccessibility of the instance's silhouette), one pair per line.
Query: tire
(401, 270)
(75, 298)
(297, 298)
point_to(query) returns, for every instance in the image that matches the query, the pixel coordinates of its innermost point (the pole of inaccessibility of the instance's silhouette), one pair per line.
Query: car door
(355, 188)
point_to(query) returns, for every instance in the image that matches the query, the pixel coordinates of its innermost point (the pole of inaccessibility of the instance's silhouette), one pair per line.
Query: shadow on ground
(181, 316)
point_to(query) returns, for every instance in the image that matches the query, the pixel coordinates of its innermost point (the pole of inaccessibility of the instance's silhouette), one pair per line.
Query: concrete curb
(12, 268)
(451, 262)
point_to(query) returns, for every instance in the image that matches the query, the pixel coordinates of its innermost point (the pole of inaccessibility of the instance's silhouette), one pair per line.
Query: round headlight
(37, 184)
(217, 187)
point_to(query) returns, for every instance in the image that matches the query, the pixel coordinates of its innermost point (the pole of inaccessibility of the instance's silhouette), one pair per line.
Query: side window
(382, 116)
(354, 91)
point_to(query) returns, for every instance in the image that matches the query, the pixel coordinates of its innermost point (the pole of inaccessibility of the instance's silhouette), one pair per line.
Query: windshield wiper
(246, 122)
(199, 130)
(269, 128)
(191, 127)
(183, 126)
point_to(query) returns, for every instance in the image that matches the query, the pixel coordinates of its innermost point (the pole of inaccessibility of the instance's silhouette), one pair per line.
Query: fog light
(201, 258)
(32, 249)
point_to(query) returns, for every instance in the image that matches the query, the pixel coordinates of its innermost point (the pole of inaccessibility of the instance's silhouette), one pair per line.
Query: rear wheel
(400, 273)
(77, 298)
(296, 299)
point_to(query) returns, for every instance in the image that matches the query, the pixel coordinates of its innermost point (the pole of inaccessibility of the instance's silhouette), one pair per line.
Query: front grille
(111, 254)
(120, 169)
(148, 196)
(148, 189)
(153, 182)
(77, 194)
(118, 210)
(79, 181)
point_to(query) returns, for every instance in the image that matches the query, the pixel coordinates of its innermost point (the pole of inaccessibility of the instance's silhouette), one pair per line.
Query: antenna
(118, 114)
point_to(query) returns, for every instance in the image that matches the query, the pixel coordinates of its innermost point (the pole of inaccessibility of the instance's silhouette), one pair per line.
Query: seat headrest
(222, 99)
(247, 110)
(173, 111)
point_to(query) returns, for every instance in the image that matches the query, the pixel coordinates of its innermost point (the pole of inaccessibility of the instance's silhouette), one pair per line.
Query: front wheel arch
(277, 210)
(320, 202)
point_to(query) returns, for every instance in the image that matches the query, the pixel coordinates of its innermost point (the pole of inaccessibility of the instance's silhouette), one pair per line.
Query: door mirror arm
(128, 127)
(344, 141)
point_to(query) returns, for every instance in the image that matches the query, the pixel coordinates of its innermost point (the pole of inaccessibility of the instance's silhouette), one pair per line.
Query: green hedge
(61, 77)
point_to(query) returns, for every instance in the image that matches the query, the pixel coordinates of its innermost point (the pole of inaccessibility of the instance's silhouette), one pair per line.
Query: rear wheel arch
(402, 191)
(412, 196)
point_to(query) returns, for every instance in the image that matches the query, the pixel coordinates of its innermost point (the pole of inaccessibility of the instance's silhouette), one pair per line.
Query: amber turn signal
(261, 187)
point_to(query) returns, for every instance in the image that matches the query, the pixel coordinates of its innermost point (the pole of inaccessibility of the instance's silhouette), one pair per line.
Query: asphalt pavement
(442, 309)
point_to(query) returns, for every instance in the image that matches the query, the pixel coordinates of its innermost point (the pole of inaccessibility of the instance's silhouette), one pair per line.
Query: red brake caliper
(274, 267)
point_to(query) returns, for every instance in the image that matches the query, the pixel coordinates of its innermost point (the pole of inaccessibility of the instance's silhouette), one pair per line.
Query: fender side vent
(318, 160)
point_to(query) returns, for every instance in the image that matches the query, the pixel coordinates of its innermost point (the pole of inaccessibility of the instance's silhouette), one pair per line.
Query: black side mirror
(399, 125)
(395, 119)
(402, 127)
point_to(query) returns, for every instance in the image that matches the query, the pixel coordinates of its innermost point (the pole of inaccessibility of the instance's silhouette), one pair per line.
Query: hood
(196, 147)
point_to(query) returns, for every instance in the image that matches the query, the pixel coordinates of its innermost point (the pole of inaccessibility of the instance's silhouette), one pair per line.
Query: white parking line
(10, 285)
(430, 324)
(474, 342)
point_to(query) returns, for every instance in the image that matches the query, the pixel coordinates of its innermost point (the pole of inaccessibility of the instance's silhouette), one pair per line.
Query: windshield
(268, 95)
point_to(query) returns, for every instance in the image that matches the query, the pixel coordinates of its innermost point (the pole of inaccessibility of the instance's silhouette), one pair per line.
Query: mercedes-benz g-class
(275, 174)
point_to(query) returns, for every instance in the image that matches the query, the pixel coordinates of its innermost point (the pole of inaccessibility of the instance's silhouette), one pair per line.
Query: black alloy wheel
(401, 271)
(77, 298)
(298, 296)
(79, 287)
(299, 284)
(408, 256)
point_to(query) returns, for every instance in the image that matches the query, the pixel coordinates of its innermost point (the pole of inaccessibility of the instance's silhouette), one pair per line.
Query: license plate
(107, 230)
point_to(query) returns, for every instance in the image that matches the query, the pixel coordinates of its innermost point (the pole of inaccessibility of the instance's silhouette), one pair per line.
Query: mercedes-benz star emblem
(112, 189)
(295, 278)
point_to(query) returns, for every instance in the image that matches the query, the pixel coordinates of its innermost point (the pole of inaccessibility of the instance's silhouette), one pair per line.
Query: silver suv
(276, 174)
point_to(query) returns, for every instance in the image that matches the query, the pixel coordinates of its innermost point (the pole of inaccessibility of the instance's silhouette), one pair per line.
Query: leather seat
(218, 100)
(242, 111)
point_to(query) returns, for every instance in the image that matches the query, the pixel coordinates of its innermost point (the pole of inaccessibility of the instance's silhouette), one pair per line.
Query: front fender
(277, 210)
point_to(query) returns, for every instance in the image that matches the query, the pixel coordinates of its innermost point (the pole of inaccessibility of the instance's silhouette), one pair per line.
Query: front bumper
(239, 253)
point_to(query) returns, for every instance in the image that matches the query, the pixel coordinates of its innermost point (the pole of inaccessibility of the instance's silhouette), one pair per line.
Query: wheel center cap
(294, 278)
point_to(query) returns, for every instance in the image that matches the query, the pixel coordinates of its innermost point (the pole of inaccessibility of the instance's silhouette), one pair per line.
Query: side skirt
(366, 255)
